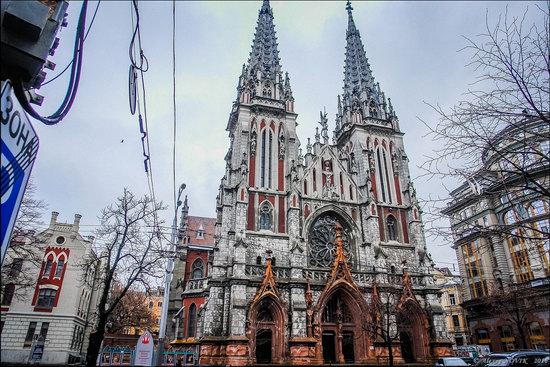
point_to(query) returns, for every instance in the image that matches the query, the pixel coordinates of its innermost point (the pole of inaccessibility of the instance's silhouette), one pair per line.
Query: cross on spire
(264, 57)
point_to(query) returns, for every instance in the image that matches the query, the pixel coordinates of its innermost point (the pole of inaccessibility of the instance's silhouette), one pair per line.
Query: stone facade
(273, 293)
(58, 311)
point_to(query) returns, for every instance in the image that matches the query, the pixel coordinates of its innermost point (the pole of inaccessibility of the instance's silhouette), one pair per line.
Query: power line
(174, 102)
(86, 36)
(74, 79)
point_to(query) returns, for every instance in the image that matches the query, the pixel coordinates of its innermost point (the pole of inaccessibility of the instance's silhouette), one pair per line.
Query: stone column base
(381, 354)
(216, 351)
(441, 349)
(302, 351)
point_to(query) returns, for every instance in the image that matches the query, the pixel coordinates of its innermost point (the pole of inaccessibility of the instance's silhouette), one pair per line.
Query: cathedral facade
(311, 244)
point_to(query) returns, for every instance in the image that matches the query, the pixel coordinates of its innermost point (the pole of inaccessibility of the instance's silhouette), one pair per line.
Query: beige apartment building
(49, 323)
(451, 298)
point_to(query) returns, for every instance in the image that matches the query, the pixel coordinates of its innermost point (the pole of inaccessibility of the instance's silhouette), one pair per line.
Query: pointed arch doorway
(413, 333)
(342, 338)
(267, 331)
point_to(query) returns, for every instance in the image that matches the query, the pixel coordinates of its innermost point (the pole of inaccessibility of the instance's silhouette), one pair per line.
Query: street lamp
(167, 281)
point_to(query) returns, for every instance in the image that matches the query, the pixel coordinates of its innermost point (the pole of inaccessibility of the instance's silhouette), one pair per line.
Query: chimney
(76, 224)
(53, 220)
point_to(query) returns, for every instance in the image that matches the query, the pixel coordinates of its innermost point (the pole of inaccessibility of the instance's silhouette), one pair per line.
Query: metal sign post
(19, 147)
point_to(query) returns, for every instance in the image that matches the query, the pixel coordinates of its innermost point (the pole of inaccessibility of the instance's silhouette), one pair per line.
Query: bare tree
(131, 312)
(495, 138)
(517, 307)
(383, 327)
(129, 253)
(22, 254)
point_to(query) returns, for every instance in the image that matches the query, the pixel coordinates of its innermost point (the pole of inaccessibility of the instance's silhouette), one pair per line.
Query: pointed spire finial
(349, 8)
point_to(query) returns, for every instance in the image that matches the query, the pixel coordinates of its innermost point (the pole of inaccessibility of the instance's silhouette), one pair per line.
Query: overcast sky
(82, 166)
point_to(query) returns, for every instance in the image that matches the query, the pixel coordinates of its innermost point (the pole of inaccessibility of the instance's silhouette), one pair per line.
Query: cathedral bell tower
(367, 130)
(264, 145)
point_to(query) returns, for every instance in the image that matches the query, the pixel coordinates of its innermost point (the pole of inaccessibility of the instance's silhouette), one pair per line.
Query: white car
(450, 361)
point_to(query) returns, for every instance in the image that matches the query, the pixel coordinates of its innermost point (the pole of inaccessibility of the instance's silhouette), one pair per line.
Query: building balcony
(196, 285)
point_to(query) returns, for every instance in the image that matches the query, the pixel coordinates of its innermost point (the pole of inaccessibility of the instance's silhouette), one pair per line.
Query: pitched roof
(208, 226)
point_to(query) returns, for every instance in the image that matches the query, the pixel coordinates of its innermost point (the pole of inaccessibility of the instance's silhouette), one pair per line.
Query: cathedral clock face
(322, 242)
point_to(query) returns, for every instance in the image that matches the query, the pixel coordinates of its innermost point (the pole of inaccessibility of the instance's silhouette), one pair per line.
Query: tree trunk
(522, 338)
(390, 354)
(95, 342)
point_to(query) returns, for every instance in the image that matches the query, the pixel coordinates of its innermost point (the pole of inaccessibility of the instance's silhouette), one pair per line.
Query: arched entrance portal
(342, 338)
(413, 333)
(267, 331)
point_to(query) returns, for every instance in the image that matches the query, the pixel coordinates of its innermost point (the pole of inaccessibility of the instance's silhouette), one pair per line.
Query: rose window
(322, 242)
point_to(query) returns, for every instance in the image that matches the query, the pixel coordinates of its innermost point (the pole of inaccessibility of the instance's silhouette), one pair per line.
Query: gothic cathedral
(317, 250)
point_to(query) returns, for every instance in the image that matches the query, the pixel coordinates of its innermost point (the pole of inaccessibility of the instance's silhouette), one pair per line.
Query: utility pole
(167, 281)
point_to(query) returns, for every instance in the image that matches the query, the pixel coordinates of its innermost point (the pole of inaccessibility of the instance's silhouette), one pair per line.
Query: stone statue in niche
(244, 167)
(395, 163)
(371, 159)
(282, 147)
(353, 163)
(253, 143)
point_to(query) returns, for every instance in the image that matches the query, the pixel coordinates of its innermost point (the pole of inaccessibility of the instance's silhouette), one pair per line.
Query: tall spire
(362, 99)
(263, 62)
(357, 73)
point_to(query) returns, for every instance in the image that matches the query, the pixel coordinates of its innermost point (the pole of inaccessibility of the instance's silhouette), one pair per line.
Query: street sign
(144, 350)
(19, 146)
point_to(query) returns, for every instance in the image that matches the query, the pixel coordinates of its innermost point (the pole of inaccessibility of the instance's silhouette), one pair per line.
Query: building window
(30, 334)
(266, 216)
(259, 260)
(7, 296)
(273, 261)
(200, 233)
(1, 326)
(191, 320)
(44, 330)
(456, 321)
(151, 304)
(46, 297)
(535, 329)
(197, 269)
(16, 267)
(48, 268)
(59, 268)
(483, 336)
(391, 225)
(452, 299)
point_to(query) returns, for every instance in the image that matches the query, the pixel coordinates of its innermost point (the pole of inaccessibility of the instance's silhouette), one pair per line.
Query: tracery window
(391, 225)
(266, 216)
(192, 321)
(322, 242)
(266, 158)
(337, 311)
(197, 269)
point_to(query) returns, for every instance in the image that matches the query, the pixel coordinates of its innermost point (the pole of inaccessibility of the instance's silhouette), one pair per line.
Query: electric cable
(174, 103)
(70, 63)
(74, 80)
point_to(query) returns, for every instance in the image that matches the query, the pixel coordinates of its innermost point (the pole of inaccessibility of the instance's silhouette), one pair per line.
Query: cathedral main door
(339, 328)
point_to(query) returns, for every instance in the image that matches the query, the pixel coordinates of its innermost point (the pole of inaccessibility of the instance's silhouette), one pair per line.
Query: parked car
(516, 359)
(469, 361)
(450, 361)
